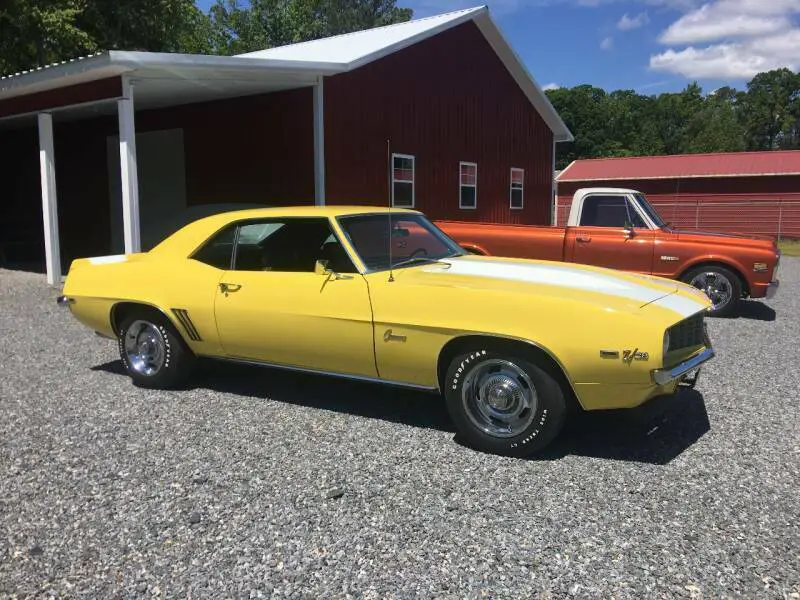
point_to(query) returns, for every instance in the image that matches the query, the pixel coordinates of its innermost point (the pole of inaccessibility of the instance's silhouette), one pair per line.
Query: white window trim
(462, 185)
(511, 189)
(413, 179)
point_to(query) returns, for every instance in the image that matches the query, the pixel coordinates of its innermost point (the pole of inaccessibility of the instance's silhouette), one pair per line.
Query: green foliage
(240, 27)
(38, 32)
(624, 123)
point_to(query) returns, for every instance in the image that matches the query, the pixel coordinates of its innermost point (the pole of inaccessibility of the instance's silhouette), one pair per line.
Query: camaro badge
(629, 356)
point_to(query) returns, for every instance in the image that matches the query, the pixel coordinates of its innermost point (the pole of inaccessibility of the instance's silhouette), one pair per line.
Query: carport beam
(47, 166)
(128, 170)
(319, 143)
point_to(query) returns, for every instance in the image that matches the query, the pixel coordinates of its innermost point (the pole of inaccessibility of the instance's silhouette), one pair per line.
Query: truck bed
(541, 242)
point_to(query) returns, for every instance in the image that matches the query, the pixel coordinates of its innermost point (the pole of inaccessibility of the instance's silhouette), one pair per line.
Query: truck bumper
(765, 290)
(772, 289)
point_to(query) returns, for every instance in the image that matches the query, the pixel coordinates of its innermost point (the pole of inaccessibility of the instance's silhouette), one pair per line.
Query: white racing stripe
(104, 260)
(564, 276)
(682, 305)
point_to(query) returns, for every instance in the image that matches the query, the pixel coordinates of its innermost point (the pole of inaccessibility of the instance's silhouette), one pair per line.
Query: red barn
(109, 153)
(743, 192)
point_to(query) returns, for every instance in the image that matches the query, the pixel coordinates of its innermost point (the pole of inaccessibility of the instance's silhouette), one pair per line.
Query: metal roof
(326, 56)
(684, 166)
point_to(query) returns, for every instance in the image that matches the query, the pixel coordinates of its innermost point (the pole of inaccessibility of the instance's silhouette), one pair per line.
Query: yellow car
(383, 295)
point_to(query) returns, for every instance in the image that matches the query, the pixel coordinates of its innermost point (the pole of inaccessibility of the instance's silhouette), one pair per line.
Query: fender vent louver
(183, 316)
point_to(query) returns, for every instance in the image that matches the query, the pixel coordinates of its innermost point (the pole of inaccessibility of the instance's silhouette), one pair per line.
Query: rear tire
(153, 353)
(502, 403)
(721, 285)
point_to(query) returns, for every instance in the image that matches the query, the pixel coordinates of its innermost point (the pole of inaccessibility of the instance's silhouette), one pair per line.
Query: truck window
(609, 211)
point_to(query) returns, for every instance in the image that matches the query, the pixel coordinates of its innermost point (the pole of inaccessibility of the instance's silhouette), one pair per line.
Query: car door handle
(583, 238)
(229, 287)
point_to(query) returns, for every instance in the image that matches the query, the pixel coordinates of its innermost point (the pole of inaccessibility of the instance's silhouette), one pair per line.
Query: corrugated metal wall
(445, 100)
(768, 206)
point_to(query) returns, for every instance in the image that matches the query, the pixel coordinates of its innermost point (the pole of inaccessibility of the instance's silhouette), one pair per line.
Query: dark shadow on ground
(655, 433)
(755, 310)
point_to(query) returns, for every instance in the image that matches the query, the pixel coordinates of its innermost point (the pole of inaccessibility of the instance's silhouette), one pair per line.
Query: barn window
(517, 188)
(468, 185)
(403, 180)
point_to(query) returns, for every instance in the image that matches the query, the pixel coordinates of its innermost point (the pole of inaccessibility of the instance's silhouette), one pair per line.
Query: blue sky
(650, 46)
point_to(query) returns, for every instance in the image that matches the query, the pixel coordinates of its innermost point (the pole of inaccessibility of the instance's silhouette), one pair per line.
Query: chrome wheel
(499, 398)
(145, 348)
(715, 285)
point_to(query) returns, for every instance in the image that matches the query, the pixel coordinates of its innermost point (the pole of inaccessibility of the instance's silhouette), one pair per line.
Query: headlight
(666, 343)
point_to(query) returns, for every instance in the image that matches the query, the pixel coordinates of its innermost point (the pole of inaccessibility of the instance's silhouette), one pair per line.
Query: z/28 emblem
(628, 356)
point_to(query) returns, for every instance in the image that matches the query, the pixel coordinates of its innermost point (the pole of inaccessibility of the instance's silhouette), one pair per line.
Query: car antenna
(389, 209)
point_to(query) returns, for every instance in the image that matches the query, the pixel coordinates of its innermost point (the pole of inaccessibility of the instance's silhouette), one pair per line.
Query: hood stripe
(555, 275)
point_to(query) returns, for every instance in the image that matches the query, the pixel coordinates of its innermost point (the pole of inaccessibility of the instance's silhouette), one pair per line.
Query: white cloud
(627, 23)
(743, 37)
(607, 43)
(739, 60)
(551, 86)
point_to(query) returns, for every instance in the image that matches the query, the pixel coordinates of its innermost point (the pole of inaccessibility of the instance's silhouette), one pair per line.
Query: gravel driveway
(258, 483)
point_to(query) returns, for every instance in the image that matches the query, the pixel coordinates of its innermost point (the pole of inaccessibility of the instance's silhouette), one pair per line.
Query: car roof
(191, 235)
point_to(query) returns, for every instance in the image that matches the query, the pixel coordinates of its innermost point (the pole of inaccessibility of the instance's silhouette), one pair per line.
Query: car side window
(289, 245)
(218, 251)
(609, 211)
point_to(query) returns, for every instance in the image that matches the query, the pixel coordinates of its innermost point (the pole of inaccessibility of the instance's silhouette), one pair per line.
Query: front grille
(688, 333)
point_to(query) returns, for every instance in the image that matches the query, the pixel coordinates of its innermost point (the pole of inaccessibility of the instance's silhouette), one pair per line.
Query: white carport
(149, 81)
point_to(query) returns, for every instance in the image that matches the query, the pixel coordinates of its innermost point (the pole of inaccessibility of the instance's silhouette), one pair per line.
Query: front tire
(721, 285)
(504, 404)
(153, 353)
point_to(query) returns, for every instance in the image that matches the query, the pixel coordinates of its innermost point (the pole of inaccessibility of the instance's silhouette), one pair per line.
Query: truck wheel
(721, 285)
(154, 354)
(503, 404)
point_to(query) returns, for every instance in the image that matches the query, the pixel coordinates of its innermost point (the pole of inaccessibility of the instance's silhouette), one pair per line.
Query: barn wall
(257, 149)
(445, 100)
(752, 205)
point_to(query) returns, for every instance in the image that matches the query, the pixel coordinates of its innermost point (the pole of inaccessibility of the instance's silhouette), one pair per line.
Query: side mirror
(629, 230)
(321, 267)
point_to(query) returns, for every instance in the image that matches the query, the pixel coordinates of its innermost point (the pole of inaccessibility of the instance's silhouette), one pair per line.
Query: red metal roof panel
(730, 164)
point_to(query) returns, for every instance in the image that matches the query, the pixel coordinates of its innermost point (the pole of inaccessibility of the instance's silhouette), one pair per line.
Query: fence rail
(774, 218)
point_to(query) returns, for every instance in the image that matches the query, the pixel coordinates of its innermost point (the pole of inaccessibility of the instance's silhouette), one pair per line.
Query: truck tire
(721, 285)
(503, 403)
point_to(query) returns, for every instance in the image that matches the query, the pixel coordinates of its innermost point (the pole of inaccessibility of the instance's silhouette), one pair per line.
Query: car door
(273, 306)
(611, 233)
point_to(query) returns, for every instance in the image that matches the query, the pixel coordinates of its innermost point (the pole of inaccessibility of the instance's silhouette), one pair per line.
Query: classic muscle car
(619, 229)
(383, 295)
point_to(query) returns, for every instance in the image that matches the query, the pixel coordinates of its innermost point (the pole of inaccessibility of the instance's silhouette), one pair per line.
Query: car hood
(613, 289)
(711, 237)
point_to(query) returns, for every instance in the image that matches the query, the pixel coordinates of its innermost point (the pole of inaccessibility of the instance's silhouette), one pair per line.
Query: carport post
(47, 167)
(319, 143)
(127, 169)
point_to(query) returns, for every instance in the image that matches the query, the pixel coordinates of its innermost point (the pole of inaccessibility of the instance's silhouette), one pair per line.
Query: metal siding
(101, 89)
(768, 206)
(445, 100)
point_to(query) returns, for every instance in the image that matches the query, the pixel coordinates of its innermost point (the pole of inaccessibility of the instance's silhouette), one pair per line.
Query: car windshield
(414, 240)
(651, 212)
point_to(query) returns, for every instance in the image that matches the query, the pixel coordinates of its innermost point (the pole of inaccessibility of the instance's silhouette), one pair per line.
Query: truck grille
(688, 333)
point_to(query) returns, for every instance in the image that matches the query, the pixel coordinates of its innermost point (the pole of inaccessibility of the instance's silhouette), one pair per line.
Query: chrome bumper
(772, 288)
(666, 376)
(65, 300)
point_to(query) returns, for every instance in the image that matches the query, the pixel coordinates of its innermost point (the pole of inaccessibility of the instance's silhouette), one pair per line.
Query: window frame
(511, 189)
(462, 185)
(413, 179)
(630, 209)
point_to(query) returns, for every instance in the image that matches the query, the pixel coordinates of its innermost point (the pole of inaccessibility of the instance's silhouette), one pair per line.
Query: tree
(262, 24)
(771, 109)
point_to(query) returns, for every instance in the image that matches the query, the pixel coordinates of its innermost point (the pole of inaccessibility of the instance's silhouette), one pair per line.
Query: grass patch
(789, 247)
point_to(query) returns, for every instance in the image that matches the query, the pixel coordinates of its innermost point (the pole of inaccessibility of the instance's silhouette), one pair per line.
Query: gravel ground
(258, 483)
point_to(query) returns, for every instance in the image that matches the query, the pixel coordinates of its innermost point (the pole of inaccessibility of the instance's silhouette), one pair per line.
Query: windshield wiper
(422, 259)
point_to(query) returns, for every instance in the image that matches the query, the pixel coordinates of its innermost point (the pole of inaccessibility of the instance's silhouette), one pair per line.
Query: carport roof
(684, 166)
(292, 65)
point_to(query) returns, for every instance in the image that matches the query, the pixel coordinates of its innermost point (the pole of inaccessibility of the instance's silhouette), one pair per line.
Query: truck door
(611, 233)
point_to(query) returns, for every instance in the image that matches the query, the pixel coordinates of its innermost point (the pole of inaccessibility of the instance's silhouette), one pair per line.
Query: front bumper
(679, 372)
(772, 288)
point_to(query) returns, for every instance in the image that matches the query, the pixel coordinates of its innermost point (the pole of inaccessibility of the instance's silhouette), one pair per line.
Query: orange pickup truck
(619, 229)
